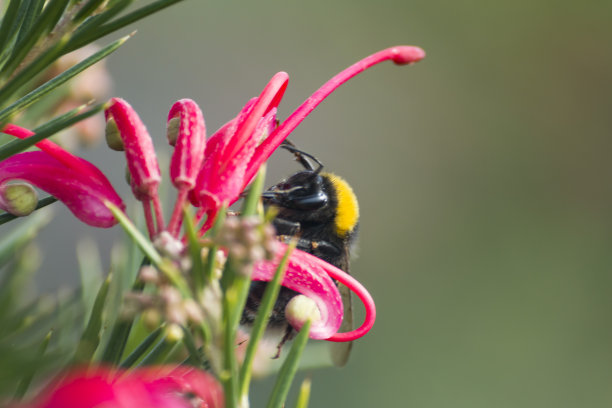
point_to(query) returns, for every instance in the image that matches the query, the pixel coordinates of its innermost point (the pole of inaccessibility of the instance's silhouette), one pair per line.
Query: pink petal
(151, 387)
(308, 277)
(189, 148)
(68, 159)
(82, 194)
(312, 277)
(139, 150)
(221, 178)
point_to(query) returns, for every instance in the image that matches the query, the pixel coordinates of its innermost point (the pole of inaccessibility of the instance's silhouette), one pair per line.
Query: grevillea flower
(312, 277)
(153, 387)
(80, 185)
(141, 159)
(211, 174)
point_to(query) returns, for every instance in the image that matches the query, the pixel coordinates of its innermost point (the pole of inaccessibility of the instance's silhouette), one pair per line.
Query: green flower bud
(113, 137)
(172, 130)
(300, 309)
(19, 199)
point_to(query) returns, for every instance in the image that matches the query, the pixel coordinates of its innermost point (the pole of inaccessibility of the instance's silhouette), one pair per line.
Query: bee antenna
(302, 157)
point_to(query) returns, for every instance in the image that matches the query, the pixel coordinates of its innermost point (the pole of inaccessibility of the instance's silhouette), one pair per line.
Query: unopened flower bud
(113, 137)
(174, 333)
(300, 309)
(149, 274)
(169, 245)
(19, 199)
(172, 130)
(151, 318)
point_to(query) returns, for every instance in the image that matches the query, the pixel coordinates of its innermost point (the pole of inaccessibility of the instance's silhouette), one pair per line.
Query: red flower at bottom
(154, 387)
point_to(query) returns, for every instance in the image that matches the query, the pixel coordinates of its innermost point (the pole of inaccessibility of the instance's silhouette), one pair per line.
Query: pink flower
(312, 277)
(189, 143)
(80, 185)
(141, 159)
(154, 387)
(232, 148)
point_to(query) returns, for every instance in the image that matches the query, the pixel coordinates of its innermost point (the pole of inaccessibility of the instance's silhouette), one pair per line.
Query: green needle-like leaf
(91, 335)
(50, 85)
(9, 21)
(143, 243)
(164, 348)
(142, 348)
(30, 33)
(23, 386)
(289, 368)
(304, 395)
(96, 32)
(250, 203)
(195, 251)
(93, 23)
(261, 320)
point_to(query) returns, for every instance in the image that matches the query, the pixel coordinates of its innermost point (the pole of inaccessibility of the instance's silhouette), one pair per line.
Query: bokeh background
(483, 172)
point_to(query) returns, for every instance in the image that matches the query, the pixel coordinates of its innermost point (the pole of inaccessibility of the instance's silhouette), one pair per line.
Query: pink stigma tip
(406, 54)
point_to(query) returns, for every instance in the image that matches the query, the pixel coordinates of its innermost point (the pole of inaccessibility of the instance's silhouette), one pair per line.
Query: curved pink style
(401, 55)
(80, 185)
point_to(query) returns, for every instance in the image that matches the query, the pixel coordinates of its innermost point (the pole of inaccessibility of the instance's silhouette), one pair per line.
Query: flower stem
(177, 214)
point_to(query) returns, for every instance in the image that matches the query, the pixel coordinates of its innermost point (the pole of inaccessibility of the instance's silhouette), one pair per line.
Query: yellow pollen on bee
(347, 211)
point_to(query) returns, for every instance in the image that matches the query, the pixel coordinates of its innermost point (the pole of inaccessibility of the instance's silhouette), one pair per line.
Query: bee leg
(286, 337)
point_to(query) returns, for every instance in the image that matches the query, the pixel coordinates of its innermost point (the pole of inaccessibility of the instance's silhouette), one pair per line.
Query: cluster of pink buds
(209, 173)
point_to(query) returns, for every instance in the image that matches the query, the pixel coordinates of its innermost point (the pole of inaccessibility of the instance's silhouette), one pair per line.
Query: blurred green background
(483, 174)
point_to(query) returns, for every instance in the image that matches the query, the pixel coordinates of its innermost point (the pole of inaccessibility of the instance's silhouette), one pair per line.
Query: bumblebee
(322, 212)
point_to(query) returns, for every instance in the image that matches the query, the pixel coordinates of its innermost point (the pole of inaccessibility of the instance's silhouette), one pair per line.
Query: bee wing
(340, 352)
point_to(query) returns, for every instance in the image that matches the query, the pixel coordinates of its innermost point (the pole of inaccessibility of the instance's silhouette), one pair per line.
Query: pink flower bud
(189, 142)
(139, 150)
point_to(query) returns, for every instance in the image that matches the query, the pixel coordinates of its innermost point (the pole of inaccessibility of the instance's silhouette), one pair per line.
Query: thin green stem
(261, 321)
(289, 368)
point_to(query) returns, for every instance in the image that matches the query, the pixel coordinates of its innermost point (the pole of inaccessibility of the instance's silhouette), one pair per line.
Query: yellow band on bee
(347, 212)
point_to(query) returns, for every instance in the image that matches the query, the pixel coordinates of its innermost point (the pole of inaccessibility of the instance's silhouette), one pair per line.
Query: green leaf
(31, 33)
(93, 34)
(119, 335)
(50, 85)
(261, 320)
(91, 335)
(90, 269)
(304, 395)
(164, 348)
(143, 243)
(93, 23)
(25, 382)
(289, 368)
(14, 240)
(10, 22)
(252, 200)
(195, 252)
(142, 348)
